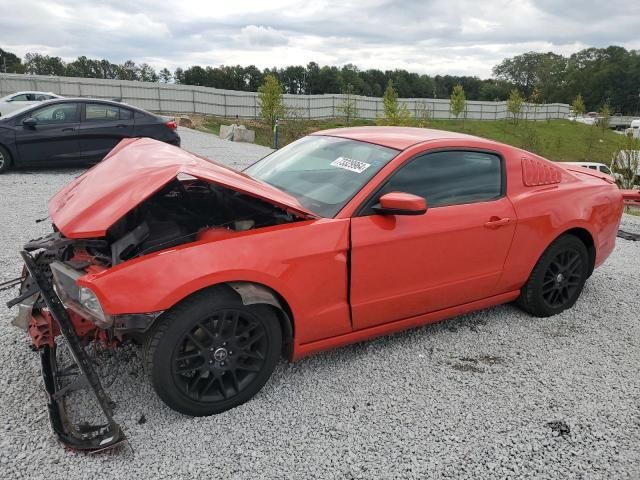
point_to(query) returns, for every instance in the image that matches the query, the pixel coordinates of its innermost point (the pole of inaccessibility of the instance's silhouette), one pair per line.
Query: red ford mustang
(339, 237)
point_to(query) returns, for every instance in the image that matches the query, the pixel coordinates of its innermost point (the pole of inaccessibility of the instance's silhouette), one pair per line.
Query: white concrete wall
(159, 97)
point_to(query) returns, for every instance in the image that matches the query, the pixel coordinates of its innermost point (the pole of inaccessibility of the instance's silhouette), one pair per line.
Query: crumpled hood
(133, 171)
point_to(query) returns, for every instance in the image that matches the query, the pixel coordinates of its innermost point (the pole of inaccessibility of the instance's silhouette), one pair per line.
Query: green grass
(558, 140)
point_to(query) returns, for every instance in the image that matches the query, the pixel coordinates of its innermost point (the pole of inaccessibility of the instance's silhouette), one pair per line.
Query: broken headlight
(90, 302)
(81, 300)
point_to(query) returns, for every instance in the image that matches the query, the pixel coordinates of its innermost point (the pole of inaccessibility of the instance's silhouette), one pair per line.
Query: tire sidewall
(6, 166)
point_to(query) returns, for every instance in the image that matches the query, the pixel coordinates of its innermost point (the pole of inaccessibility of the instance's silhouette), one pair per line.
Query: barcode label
(350, 164)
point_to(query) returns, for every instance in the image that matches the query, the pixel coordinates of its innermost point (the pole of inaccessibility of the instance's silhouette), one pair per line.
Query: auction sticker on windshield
(350, 164)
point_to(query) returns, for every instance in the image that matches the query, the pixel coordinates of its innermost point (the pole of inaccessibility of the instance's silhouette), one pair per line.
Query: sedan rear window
(98, 111)
(322, 173)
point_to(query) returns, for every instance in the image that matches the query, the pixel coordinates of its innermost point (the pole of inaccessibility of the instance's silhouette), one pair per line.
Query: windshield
(15, 113)
(322, 173)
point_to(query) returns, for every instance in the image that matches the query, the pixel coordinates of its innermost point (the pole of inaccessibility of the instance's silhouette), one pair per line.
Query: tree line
(602, 76)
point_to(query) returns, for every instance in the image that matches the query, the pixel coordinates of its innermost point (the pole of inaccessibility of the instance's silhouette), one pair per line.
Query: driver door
(54, 137)
(404, 266)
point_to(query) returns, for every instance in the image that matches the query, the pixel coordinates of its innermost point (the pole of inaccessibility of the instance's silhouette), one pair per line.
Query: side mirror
(30, 122)
(398, 203)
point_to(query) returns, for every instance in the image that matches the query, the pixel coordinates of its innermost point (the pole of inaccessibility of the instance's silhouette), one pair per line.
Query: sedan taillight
(171, 124)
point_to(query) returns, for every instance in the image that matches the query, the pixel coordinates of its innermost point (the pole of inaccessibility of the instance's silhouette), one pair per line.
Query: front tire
(5, 160)
(211, 353)
(556, 282)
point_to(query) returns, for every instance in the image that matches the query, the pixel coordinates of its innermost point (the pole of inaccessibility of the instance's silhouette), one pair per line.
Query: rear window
(101, 112)
(126, 114)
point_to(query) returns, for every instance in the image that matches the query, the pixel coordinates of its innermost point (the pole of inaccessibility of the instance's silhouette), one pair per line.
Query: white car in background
(18, 100)
(601, 167)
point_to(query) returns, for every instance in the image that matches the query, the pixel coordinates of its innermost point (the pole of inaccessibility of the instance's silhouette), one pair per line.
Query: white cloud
(426, 36)
(262, 37)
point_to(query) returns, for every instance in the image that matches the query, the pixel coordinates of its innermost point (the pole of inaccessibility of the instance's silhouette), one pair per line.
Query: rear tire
(557, 280)
(211, 353)
(5, 160)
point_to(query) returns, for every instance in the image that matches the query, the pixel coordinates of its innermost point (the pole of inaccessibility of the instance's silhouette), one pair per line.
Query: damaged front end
(57, 305)
(51, 321)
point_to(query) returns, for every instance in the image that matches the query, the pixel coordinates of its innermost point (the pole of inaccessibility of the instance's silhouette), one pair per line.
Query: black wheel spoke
(187, 369)
(189, 356)
(234, 380)
(234, 324)
(196, 342)
(222, 388)
(252, 355)
(203, 391)
(206, 330)
(249, 368)
(253, 338)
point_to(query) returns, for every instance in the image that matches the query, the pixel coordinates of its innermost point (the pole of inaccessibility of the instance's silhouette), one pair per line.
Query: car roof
(93, 100)
(398, 138)
(22, 92)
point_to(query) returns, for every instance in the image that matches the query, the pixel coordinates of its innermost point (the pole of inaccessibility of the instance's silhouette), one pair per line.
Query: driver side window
(59, 113)
(448, 178)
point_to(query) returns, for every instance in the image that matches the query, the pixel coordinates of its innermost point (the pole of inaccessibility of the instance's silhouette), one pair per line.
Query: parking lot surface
(494, 394)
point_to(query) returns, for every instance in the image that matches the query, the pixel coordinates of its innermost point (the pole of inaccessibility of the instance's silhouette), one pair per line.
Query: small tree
(348, 109)
(457, 102)
(270, 100)
(578, 106)
(165, 75)
(604, 117)
(395, 113)
(423, 114)
(514, 105)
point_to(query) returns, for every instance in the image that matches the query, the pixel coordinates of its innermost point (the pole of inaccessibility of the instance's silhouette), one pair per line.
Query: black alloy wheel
(220, 356)
(558, 278)
(211, 353)
(563, 278)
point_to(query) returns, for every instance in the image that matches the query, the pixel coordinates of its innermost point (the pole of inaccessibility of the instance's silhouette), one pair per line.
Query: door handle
(69, 129)
(497, 222)
(121, 126)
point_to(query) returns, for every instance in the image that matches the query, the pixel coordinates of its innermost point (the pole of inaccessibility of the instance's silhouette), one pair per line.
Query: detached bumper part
(81, 437)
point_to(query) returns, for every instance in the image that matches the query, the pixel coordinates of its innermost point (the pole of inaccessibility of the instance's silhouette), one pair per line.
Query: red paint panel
(305, 262)
(404, 266)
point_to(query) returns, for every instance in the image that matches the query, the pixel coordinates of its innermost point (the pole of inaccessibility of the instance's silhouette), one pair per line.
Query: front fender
(304, 262)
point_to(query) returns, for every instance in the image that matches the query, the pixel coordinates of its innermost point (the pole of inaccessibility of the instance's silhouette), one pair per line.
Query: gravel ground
(494, 394)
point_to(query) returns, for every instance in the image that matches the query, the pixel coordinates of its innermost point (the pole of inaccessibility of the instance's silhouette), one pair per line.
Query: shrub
(395, 113)
(270, 100)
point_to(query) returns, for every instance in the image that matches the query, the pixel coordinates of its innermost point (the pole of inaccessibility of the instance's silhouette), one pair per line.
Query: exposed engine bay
(183, 211)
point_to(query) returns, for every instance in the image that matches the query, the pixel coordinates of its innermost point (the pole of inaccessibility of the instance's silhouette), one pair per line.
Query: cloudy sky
(426, 36)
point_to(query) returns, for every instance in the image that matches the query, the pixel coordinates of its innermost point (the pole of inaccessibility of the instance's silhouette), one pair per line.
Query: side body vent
(536, 173)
